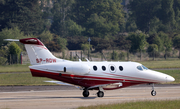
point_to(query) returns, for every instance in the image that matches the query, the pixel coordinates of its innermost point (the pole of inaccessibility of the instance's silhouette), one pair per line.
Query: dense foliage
(141, 25)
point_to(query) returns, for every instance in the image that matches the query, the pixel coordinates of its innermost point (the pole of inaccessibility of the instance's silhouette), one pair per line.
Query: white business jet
(88, 75)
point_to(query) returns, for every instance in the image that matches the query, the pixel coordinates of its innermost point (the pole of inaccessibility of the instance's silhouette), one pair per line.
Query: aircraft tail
(38, 53)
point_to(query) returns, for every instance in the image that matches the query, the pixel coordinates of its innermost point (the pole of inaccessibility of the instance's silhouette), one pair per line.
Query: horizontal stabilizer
(11, 40)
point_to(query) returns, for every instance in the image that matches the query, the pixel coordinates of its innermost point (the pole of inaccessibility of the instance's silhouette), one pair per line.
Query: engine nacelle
(76, 68)
(69, 68)
(81, 69)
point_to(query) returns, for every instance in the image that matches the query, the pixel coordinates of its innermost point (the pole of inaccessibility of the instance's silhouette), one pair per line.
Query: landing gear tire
(85, 93)
(153, 93)
(100, 94)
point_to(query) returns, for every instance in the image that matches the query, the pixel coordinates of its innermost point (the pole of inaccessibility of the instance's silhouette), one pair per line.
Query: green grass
(14, 68)
(162, 64)
(22, 79)
(167, 104)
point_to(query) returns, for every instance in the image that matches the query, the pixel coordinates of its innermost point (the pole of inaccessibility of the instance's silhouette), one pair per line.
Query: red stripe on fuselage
(85, 81)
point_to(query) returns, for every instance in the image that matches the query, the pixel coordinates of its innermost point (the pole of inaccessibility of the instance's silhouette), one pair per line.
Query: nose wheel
(153, 92)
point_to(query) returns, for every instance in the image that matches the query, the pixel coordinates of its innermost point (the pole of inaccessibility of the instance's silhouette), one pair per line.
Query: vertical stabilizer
(37, 52)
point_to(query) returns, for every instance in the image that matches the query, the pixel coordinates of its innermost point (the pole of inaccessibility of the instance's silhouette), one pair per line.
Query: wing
(107, 86)
(62, 83)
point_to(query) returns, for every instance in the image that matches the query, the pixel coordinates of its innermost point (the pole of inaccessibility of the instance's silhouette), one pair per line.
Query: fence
(14, 59)
(105, 55)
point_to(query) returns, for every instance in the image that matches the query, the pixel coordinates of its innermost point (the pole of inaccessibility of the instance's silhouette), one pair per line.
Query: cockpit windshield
(145, 68)
(139, 68)
(142, 67)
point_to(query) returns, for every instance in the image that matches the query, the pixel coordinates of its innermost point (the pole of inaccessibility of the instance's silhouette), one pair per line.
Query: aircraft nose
(169, 79)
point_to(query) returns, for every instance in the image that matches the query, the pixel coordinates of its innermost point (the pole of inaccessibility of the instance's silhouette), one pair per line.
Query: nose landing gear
(153, 92)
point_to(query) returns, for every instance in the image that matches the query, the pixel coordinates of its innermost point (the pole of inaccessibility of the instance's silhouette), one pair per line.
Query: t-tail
(37, 51)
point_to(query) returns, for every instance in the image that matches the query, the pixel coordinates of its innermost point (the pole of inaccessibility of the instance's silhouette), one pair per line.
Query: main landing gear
(153, 92)
(85, 93)
(100, 93)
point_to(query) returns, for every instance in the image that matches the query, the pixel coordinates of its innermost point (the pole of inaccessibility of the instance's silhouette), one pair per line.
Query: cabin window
(120, 68)
(64, 69)
(112, 68)
(103, 68)
(139, 68)
(95, 68)
(145, 68)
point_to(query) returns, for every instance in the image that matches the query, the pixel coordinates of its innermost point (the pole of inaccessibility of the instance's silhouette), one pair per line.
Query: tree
(86, 46)
(157, 40)
(3, 55)
(167, 41)
(100, 44)
(176, 43)
(60, 13)
(166, 14)
(176, 7)
(13, 33)
(152, 50)
(155, 15)
(14, 53)
(24, 14)
(143, 11)
(131, 25)
(121, 42)
(62, 42)
(101, 18)
(74, 43)
(14, 49)
(46, 36)
(138, 41)
(73, 28)
(114, 55)
(56, 44)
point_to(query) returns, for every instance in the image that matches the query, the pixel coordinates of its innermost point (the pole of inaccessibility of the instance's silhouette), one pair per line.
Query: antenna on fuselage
(78, 58)
(87, 60)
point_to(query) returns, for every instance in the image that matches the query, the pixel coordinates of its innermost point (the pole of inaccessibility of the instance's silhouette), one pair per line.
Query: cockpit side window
(144, 67)
(139, 68)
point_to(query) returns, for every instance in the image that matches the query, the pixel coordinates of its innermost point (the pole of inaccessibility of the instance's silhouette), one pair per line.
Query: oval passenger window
(112, 68)
(103, 68)
(120, 68)
(95, 68)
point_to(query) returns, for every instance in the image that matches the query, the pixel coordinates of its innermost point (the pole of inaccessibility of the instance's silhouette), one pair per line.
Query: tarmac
(67, 97)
